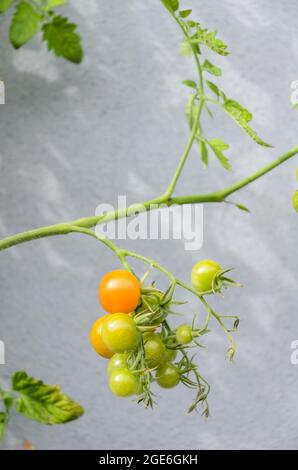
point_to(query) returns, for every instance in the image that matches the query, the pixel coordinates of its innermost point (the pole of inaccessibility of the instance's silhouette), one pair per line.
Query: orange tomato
(97, 341)
(119, 291)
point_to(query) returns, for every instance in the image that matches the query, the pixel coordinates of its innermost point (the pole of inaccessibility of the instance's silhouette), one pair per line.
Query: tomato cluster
(135, 335)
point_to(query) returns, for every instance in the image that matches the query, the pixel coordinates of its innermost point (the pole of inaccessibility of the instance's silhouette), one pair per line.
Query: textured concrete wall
(75, 136)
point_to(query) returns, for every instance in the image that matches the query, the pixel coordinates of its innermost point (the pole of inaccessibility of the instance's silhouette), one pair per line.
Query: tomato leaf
(218, 147)
(43, 403)
(242, 117)
(62, 38)
(186, 49)
(171, 5)
(210, 68)
(4, 5)
(209, 39)
(24, 25)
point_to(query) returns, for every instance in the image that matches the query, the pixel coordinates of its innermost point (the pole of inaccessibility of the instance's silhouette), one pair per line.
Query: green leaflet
(186, 49)
(204, 153)
(62, 39)
(295, 200)
(171, 5)
(4, 5)
(54, 3)
(218, 147)
(242, 117)
(184, 13)
(24, 25)
(3, 424)
(190, 110)
(190, 83)
(43, 403)
(242, 207)
(214, 88)
(209, 39)
(210, 68)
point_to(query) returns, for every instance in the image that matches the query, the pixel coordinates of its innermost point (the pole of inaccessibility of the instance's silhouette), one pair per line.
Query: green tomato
(184, 334)
(167, 375)
(120, 333)
(170, 355)
(155, 350)
(203, 274)
(124, 383)
(118, 361)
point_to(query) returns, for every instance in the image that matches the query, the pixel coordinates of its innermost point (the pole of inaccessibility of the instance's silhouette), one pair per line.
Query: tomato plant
(138, 323)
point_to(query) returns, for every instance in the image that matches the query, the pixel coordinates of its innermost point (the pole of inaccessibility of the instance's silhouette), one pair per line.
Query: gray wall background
(73, 137)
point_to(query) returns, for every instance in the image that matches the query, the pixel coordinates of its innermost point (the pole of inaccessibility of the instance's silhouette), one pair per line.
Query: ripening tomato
(184, 334)
(124, 383)
(119, 291)
(155, 350)
(96, 338)
(120, 333)
(203, 274)
(118, 361)
(167, 375)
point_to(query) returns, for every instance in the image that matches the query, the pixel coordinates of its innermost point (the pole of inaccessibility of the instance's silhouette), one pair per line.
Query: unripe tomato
(184, 334)
(170, 355)
(96, 338)
(120, 333)
(119, 291)
(155, 350)
(203, 274)
(118, 361)
(124, 383)
(167, 375)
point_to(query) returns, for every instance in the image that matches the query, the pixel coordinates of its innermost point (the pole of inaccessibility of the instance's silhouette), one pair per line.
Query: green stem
(159, 202)
(196, 124)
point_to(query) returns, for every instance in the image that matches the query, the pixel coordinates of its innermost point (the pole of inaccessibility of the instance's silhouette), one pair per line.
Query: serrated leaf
(43, 403)
(24, 25)
(210, 68)
(242, 117)
(295, 200)
(4, 5)
(184, 13)
(186, 49)
(3, 424)
(204, 153)
(171, 5)
(62, 38)
(190, 83)
(209, 39)
(54, 3)
(218, 146)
